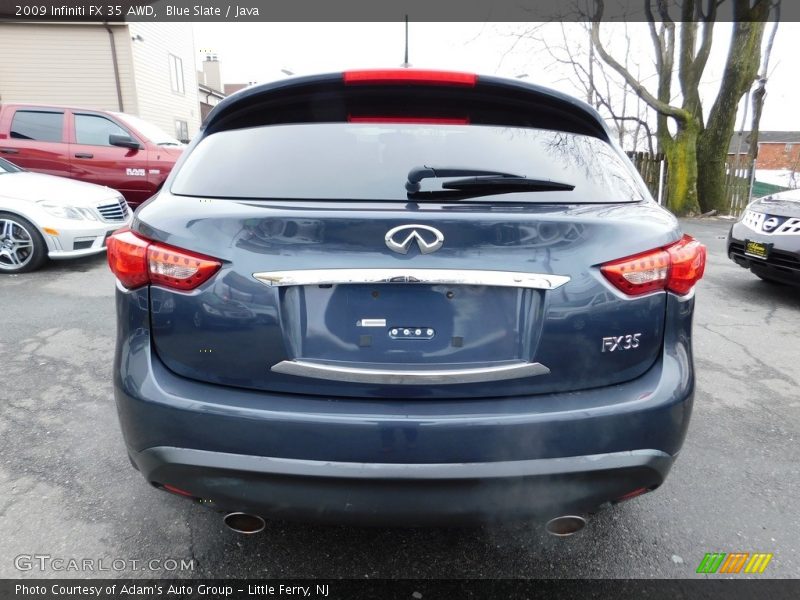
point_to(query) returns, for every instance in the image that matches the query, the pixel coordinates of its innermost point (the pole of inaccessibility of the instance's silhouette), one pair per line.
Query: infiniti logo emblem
(400, 239)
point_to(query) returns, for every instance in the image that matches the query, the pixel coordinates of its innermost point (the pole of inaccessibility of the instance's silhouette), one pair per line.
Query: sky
(258, 52)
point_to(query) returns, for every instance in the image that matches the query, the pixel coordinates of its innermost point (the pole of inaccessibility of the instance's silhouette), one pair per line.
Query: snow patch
(782, 177)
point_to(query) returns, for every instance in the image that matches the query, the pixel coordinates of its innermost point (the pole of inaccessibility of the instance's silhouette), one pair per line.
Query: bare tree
(606, 92)
(741, 69)
(695, 150)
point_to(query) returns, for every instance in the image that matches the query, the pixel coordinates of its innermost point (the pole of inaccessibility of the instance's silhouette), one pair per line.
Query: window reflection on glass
(94, 130)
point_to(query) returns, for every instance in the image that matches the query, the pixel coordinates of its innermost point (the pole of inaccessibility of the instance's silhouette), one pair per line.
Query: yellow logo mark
(758, 563)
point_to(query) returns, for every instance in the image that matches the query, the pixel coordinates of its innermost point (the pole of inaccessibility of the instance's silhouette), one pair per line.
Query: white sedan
(43, 216)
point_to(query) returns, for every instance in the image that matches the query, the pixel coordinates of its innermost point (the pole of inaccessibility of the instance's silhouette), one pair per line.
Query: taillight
(179, 269)
(127, 257)
(409, 76)
(137, 262)
(688, 264)
(676, 268)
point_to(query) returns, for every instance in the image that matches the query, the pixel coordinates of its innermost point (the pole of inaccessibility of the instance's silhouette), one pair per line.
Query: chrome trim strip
(302, 368)
(151, 458)
(537, 281)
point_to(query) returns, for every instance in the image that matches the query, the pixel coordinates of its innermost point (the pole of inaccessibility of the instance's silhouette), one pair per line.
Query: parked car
(766, 239)
(43, 216)
(412, 364)
(118, 150)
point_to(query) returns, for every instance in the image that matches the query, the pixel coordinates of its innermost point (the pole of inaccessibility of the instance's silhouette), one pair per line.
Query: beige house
(145, 69)
(211, 89)
(209, 84)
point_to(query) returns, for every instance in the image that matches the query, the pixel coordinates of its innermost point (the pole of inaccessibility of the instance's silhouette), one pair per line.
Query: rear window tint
(37, 125)
(371, 162)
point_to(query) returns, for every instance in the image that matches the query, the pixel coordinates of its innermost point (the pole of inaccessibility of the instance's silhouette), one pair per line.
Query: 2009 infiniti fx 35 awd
(404, 296)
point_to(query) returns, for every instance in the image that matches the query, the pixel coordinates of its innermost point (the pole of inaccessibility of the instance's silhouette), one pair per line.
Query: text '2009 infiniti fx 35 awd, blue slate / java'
(404, 297)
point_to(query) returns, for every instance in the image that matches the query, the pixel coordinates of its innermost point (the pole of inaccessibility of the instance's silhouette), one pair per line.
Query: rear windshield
(365, 161)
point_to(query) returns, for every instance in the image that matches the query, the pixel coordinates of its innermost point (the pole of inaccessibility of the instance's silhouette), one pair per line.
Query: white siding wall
(66, 64)
(157, 102)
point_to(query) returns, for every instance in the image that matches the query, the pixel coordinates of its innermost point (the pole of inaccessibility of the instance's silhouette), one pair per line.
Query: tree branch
(761, 91)
(688, 39)
(659, 106)
(658, 44)
(696, 64)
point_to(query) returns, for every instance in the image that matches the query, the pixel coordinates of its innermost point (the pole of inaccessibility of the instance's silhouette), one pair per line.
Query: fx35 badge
(622, 342)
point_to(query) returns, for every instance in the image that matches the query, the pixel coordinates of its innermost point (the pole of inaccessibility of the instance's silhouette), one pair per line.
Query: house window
(176, 74)
(788, 147)
(182, 130)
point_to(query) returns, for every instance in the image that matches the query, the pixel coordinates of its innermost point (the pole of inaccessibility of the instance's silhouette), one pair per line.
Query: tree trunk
(681, 153)
(712, 147)
(758, 98)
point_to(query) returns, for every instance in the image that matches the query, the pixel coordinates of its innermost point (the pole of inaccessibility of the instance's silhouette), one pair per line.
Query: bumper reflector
(174, 490)
(633, 494)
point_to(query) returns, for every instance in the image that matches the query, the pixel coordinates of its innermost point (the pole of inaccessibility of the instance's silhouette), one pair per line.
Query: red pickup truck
(113, 149)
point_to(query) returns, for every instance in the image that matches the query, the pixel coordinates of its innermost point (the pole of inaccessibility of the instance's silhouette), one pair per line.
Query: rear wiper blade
(497, 185)
(480, 183)
(417, 174)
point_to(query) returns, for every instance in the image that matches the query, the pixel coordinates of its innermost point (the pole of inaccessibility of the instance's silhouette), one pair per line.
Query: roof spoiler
(410, 95)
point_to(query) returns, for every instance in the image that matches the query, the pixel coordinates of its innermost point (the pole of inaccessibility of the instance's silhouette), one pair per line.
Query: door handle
(9, 150)
(84, 155)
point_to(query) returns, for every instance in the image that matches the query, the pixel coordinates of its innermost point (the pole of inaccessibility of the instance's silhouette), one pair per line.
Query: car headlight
(65, 211)
(747, 210)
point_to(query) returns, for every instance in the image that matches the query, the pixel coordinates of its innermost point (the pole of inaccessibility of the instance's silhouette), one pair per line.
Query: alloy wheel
(16, 245)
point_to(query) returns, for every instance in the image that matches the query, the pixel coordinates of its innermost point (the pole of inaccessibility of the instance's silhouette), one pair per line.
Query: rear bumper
(396, 460)
(410, 494)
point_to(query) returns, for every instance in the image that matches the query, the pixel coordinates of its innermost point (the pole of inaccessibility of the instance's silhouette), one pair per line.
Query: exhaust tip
(565, 526)
(244, 523)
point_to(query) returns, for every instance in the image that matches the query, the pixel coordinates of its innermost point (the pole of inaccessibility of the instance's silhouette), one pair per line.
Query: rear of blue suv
(404, 297)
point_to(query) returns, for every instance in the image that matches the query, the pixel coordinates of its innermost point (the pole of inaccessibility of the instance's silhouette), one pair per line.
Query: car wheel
(22, 247)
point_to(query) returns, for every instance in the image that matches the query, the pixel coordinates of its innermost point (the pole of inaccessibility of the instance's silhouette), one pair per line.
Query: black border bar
(231, 11)
(401, 589)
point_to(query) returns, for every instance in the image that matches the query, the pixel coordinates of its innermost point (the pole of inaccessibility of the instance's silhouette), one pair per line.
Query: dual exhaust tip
(244, 523)
(248, 524)
(565, 526)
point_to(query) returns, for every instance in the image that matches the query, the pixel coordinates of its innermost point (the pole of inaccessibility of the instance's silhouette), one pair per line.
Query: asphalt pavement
(68, 491)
